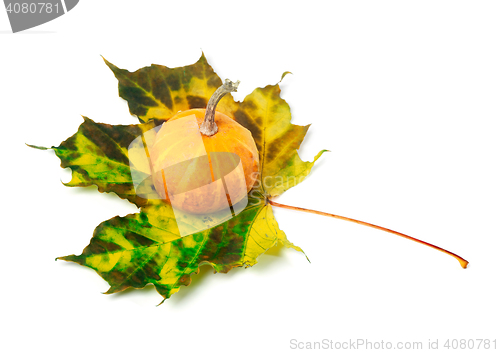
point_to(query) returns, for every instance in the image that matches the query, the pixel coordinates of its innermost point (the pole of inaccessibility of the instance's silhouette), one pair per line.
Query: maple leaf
(146, 247)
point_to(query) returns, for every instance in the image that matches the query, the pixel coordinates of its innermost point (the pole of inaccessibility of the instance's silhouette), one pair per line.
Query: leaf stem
(462, 261)
(209, 127)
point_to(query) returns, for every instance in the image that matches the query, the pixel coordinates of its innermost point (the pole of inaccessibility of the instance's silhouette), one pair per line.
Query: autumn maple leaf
(147, 247)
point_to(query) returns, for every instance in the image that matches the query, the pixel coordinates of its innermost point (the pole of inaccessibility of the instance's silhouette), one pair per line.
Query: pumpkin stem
(460, 259)
(209, 127)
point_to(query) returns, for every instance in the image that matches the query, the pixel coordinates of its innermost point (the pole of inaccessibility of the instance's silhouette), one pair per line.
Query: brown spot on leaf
(197, 102)
(184, 280)
(99, 246)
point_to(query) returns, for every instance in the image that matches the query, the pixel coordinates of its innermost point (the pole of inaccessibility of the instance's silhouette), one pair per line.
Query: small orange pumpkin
(203, 174)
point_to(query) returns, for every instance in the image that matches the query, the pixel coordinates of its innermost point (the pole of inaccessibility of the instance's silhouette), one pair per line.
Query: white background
(405, 94)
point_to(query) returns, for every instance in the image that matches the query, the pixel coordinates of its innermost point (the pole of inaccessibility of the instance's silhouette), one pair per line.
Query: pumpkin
(204, 171)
